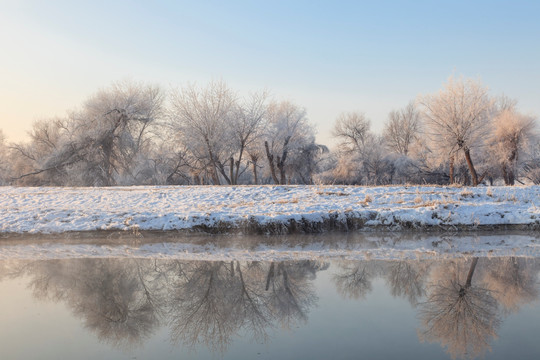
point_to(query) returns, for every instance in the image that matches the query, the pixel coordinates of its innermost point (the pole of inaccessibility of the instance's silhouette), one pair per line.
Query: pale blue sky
(328, 56)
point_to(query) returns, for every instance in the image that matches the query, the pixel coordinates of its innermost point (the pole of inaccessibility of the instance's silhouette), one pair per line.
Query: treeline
(134, 133)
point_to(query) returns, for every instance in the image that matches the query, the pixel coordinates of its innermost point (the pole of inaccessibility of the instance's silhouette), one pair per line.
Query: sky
(326, 56)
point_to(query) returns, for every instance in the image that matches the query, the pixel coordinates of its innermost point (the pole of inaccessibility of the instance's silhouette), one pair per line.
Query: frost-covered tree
(363, 155)
(98, 145)
(511, 136)
(115, 124)
(287, 132)
(353, 130)
(247, 128)
(306, 162)
(5, 164)
(457, 120)
(411, 156)
(378, 165)
(531, 168)
(166, 163)
(35, 162)
(402, 129)
(203, 118)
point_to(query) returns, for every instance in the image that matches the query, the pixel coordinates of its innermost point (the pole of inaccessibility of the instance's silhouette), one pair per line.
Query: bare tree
(287, 131)
(247, 128)
(457, 120)
(401, 129)
(363, 157)
(255, 155)
(202, 117)
(354, 133)
(353, 129)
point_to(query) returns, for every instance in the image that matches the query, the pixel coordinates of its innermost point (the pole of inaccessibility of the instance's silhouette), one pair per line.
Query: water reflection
(460, 303)
(459, 313)
(119, 301)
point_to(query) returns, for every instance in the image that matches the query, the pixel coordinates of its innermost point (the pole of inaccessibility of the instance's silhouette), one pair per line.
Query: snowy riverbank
(266, 209)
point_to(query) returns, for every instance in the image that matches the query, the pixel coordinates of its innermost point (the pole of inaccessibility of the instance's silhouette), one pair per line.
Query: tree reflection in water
(213, 301)
(354, 278)
(461, 315)
(114, 298)
(513, 281)
(460, 302)
(407, 278)
(124, 301)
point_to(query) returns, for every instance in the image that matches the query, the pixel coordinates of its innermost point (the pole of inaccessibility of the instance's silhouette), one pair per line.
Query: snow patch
(264, 209)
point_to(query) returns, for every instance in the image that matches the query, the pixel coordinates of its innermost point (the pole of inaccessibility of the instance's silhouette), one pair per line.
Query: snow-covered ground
(265, 209)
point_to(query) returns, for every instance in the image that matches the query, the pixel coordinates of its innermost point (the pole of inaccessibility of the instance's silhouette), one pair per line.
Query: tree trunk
(270, 276)
(231, 171)
(237, 163)
(213, 165)
(281, 167)
(474, 176)
(511, 177)
(270, 158)
(505, 174)
(255, 180)
(451, 169)
(214, 174)
(107, 148)
(281, 161)
(471, 272)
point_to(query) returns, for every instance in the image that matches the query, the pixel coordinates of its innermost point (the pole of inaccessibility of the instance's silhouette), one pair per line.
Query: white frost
(55, 210)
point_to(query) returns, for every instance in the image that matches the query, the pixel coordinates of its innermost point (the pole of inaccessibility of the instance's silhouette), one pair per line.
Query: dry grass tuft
(367, 200)
(466, 194)
(286, 201)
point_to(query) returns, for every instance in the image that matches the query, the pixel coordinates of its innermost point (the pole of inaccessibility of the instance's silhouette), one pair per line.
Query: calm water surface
(107, 308)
